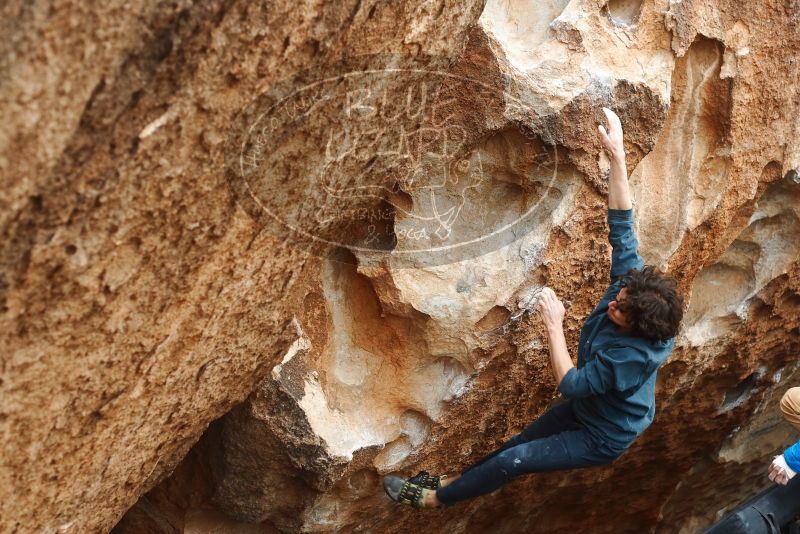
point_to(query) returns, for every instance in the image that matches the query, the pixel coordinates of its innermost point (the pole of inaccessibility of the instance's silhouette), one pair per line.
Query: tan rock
(148, 290)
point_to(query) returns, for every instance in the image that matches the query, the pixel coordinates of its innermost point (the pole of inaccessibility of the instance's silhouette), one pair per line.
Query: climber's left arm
(551, 310)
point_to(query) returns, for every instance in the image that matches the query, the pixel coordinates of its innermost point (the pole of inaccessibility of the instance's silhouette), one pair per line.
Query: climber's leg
(414, 490)
(568, 450)
(557, 419)
(790, 407)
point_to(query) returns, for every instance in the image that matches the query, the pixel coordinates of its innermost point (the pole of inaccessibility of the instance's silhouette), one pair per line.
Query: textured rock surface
(140, 302)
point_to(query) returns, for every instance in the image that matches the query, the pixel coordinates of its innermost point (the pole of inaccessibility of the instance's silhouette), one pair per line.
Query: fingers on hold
(611, 116)
(549, 296)
(604, 139)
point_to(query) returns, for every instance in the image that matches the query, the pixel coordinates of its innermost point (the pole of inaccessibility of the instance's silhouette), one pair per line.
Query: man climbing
(610, 394)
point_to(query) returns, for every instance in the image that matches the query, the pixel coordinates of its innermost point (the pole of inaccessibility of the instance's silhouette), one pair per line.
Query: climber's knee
(511, 464)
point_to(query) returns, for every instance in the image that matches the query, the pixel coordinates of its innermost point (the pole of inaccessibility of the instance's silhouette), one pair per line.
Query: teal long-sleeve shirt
(613, 386)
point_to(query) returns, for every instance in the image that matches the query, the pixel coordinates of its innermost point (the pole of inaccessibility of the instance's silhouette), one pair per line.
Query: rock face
(148, 292)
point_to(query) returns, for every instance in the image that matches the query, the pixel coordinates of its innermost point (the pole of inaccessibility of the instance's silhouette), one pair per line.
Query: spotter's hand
(778, 475)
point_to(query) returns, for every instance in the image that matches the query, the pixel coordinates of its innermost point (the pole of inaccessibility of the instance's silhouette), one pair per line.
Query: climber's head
(648, 305)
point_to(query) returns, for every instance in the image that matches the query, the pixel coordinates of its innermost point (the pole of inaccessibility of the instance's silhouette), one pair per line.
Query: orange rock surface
(177, 358)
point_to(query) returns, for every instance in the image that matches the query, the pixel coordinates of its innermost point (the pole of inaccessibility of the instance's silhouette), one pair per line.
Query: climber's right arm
(619, 195)
(621, 235)
(624, 245)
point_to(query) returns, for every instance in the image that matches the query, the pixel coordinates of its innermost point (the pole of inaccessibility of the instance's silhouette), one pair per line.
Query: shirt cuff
(567, 385)
(620, 215)
(790, 455)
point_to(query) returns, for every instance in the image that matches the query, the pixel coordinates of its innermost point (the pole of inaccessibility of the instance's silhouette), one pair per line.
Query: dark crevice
(736, 396)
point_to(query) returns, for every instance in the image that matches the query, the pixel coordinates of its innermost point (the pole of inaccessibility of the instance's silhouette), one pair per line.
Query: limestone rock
(147, 291)
(139, 301)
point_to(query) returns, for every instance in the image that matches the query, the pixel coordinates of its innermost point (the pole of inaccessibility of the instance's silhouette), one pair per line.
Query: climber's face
(616, 307)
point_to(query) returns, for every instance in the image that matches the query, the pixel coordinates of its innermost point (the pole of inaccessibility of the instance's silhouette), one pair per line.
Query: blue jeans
(553, 442)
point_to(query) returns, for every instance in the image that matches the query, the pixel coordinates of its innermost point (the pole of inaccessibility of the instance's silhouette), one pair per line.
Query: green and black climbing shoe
(403, 491)
(424, 479)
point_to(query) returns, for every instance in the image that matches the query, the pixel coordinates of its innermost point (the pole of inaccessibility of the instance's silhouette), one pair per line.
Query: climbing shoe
(424, 479)
(403, 491)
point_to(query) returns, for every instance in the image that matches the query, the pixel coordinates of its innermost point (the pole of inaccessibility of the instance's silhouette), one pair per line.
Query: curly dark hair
(652, 305)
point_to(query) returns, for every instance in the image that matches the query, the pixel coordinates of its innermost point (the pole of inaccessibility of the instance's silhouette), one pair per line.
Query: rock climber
(610, 394)
(785, 466)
